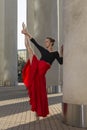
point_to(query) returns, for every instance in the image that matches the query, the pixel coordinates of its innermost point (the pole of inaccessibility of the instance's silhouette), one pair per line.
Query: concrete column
(8, 42)
(30, 18)
(45, 24)
(1, 40)
(75, 62)
(60, 37)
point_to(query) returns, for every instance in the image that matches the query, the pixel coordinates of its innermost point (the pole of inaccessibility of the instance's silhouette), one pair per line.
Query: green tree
(21, 63)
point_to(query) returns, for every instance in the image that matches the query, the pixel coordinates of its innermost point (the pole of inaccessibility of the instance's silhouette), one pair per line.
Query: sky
(21, 18)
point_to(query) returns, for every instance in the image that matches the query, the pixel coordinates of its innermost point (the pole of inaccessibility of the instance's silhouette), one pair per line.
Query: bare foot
(24, 29)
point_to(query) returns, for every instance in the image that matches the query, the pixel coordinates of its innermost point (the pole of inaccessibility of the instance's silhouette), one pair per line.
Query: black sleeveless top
(46, 55)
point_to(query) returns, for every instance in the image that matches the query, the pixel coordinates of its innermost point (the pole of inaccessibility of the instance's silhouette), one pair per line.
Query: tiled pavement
(15, 112)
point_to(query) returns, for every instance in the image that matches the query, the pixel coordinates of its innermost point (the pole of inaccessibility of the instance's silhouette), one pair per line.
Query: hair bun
(51, 39)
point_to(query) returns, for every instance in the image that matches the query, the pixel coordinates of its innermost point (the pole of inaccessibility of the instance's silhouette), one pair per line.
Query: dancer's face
(47, 43)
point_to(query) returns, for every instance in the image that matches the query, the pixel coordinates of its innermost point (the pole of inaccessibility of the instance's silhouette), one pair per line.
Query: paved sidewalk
(15, 112)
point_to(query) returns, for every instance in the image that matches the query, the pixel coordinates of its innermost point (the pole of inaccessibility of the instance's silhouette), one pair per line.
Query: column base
(8, 83)
(75, 115)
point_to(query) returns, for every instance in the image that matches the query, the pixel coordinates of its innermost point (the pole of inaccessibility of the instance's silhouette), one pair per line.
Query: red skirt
(35, 82)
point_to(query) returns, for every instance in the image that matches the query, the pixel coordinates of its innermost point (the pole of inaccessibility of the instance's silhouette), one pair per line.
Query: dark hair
(51, 40)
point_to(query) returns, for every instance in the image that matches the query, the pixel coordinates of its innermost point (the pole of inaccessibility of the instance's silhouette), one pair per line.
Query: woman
(34, 72)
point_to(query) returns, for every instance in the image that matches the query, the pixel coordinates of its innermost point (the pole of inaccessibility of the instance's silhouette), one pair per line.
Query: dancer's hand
(25, 31)
(61, 51)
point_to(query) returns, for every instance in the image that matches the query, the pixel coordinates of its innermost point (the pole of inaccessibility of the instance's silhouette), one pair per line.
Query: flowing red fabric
(35, 82)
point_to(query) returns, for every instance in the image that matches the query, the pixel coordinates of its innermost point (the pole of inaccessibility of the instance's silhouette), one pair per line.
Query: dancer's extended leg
(29, 48)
